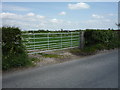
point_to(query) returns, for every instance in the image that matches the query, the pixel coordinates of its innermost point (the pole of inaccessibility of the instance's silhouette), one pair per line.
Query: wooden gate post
(82, 40)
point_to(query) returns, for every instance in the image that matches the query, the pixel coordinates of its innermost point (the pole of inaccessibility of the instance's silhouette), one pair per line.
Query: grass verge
(90, 50)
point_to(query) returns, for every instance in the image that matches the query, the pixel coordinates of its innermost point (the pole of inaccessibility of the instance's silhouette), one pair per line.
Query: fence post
(61, 40)
(71, 39)
(82, 40)
(34, 39)
(48, 40)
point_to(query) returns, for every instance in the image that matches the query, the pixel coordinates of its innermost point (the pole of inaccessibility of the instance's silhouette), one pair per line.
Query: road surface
(98, 71)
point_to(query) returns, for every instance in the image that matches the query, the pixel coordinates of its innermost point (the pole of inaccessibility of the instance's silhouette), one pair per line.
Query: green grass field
(50, 41)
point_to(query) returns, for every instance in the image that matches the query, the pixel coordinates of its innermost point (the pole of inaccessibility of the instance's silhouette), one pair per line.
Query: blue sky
(60, 15)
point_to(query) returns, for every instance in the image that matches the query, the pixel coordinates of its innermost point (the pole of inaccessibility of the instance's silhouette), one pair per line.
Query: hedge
(13, 51)
(103, 38)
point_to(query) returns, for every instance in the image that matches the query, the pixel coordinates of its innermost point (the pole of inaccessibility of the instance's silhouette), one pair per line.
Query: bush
(106, 39)
(100, 46)
(14, 53)
(96, 40)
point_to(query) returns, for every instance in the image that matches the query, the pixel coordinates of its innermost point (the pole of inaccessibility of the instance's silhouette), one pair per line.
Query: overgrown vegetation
(84, 52)
(96, 40)
(106, 39)
(13, 52)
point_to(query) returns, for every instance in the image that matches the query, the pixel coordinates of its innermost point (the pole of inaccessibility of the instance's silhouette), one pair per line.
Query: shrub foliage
(103, 38)
(14, 54)
(96, 40)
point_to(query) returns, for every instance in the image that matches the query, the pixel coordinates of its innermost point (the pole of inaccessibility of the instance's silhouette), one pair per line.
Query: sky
(60, 15)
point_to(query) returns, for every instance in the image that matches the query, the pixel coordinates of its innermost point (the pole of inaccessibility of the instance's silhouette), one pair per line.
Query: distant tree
(61, 30)
(109, 29)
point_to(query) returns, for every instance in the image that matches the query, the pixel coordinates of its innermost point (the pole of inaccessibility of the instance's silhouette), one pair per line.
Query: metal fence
(42, 42)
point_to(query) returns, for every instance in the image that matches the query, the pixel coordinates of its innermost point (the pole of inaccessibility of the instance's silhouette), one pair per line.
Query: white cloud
(107, 20)
(97, 16)
(78, 6)
(41, 17)
(8, 15)
(111, 14)
(4, 15)
(41, 22)
(91, 21)
(12, 19)
(14, 8)
(56, 20)
(29, 21)
(69, 22)
(62, 13)
(31, 14)
(100, 23)
(95, 21)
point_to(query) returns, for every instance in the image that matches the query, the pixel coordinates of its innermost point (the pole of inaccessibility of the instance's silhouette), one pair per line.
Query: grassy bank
(90, 50)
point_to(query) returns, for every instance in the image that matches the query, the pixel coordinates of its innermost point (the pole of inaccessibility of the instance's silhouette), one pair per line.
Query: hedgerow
(106, 39)
(96, 40)
(13, 51)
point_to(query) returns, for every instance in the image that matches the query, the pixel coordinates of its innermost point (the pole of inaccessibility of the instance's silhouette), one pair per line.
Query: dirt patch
(58, 56)
(62, 56)
(53, 57)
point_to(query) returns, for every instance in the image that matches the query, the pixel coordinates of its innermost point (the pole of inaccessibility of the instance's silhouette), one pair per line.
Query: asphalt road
(98, 71)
